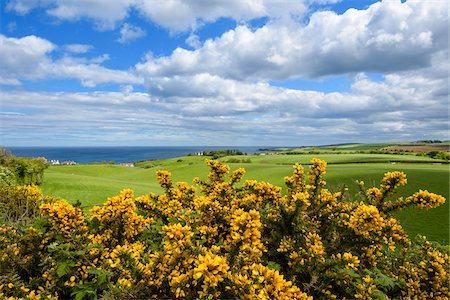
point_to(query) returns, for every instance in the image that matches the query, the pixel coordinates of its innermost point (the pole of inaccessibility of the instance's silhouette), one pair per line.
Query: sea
(84, 155)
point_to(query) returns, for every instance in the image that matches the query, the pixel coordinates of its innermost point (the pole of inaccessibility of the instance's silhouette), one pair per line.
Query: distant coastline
(130, 154)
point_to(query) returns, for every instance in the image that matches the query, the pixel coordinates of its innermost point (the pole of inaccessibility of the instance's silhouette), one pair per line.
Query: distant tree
(4, 154)
(7, 178)
(26, 170)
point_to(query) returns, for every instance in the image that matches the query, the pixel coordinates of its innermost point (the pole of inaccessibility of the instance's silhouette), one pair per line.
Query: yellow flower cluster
(270, 284)
(425, 199)
(65, 219)
(374, 195)
(427, 273)
(393, 180)
(315, 174)
(23, 292)
(296, 182)
(351, 260)
(265, 192)
(287, 244)
(245, 236)
(210, 270)
(237, 175)
(367, 289)
(164, 180)
(19, 204)
(218, 170)
(366, 220)
(118, 218)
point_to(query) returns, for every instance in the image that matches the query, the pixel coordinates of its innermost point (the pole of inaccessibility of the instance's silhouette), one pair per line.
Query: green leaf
(352, 273)
(63, 268)
(102, 278)
(173, 220)
(94, 224)
(273, 265)
(380, 295)
(384, 281)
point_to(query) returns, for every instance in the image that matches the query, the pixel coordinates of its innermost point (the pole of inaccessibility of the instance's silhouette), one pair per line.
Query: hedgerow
(222, 239)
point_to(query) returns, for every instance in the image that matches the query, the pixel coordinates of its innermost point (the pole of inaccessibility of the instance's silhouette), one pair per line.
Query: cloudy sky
(222, 72)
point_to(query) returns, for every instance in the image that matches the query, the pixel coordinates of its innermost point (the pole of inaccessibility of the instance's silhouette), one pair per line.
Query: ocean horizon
(121, 154)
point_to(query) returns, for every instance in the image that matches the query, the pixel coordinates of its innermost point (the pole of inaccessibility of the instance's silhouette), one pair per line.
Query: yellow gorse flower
(366, 220)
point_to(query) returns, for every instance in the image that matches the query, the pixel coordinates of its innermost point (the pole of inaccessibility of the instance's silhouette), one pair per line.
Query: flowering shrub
(19, 205)
(222, 239)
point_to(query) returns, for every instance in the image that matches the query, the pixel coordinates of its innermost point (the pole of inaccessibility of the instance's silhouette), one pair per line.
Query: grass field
(333, 158)
(93, 184)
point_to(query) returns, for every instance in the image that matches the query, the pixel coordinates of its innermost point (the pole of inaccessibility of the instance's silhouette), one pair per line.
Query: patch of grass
(334, 158)
(93, 184)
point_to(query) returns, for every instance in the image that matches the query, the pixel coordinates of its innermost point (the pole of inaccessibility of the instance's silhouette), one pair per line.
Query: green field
(93, 184)
(333, 158)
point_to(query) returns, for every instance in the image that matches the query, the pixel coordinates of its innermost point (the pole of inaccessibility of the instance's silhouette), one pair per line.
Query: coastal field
(93, 184)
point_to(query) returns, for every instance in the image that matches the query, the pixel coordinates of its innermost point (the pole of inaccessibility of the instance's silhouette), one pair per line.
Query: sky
(222, 72)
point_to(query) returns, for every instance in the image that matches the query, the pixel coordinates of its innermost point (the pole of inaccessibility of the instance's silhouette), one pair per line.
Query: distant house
(54, 162)
(127, 164)
(69, 162)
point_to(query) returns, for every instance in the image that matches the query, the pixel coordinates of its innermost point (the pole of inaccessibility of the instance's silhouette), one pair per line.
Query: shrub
(217, 239)
(26, 170)
(7, 178)
(19, 205)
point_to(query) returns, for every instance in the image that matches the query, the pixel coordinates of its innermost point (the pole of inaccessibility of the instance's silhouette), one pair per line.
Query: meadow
(93, 184)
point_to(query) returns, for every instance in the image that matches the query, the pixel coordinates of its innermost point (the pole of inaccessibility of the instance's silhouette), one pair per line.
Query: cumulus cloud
(28, 58)
(193, 41)
(176, 15)
(129, 33)
(23, 57)
(104, 14)
(387, 37)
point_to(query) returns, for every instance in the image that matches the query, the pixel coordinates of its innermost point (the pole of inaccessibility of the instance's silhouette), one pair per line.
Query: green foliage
(26, 170)
(235, 160)
(215, 154)
(7, 177)
(438, 155)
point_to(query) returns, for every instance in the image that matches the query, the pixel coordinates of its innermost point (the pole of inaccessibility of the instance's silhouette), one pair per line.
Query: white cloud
(28, 58)
(78, 48)
(387, 37)
(105, 14)
(208, 109)
(193, 41)
(129, 33)
(176, 15)
(179, 15)
(23, 57)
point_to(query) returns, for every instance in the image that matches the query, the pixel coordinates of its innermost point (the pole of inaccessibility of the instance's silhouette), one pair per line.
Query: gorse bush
(221, 239)
(20, 205)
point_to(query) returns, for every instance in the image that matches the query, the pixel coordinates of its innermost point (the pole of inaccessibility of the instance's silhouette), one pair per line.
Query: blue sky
(264, 72)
